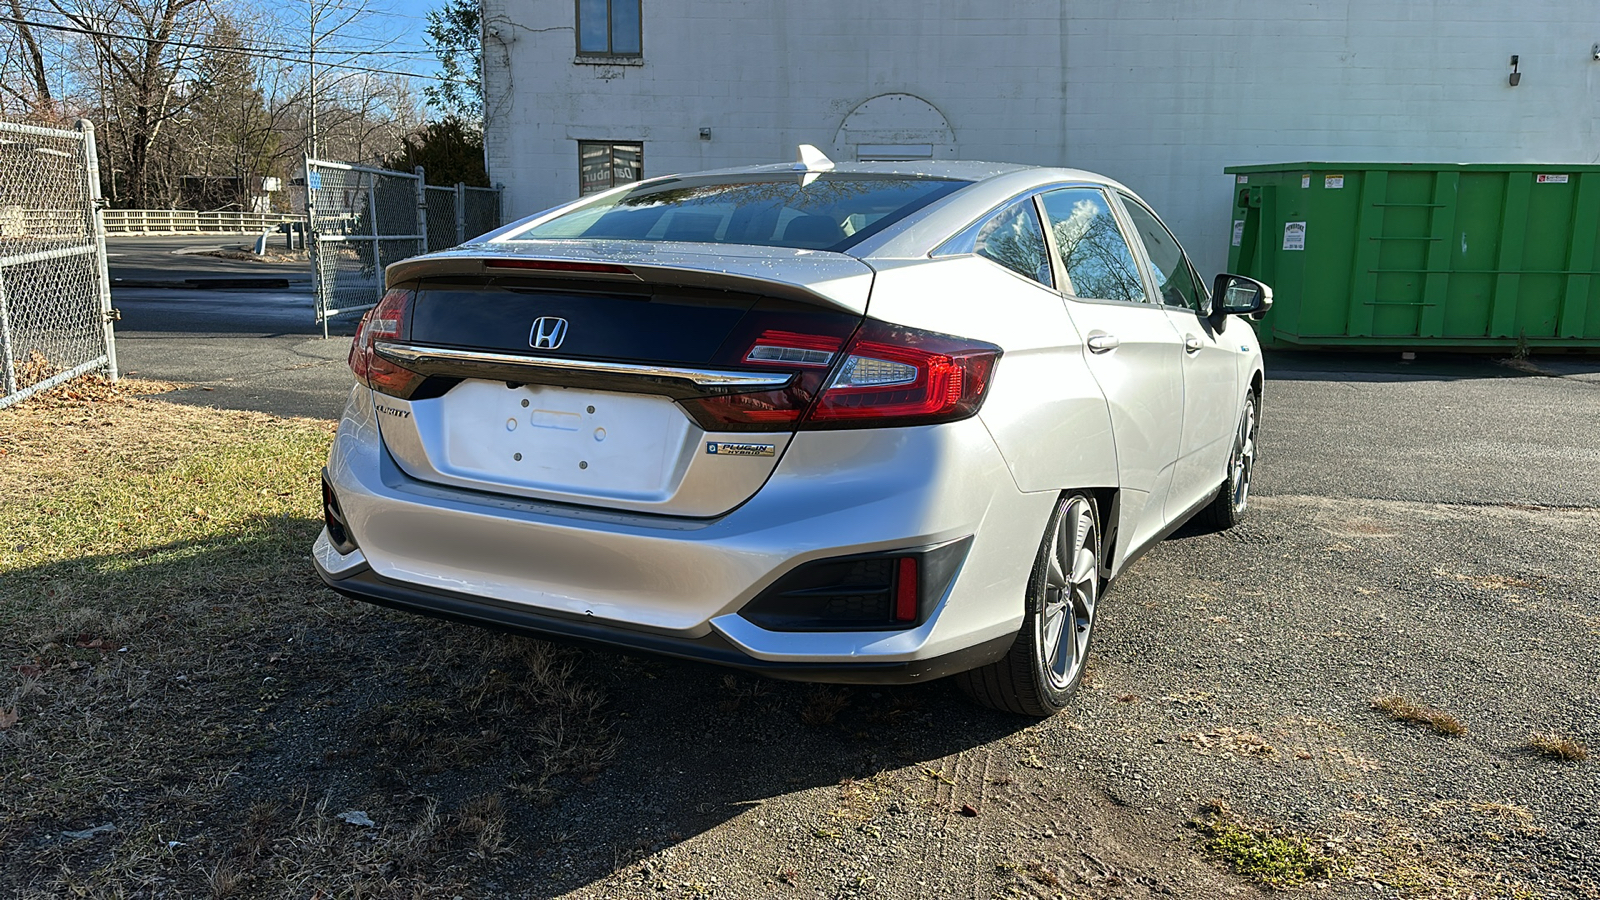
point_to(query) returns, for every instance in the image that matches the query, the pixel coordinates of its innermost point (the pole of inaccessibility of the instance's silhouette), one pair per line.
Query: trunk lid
(609, 409)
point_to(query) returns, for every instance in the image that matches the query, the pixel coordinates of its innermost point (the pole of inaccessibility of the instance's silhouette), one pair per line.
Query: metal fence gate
(55, 298)
(362, 219)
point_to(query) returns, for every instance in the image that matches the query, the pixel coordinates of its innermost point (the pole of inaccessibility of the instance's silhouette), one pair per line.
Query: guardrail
(189, 221)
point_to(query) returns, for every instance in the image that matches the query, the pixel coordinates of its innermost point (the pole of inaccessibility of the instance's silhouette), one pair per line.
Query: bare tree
(38, 77)
(143, 49)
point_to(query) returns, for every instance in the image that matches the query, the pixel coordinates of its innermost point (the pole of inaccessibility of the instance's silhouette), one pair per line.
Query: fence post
(461, 213)
(8, 368)
(91, 159)
(377, 230)
(318, 290)
(422, 210)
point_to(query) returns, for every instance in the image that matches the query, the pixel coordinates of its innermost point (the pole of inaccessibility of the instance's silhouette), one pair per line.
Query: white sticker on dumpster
(1242, 179)
(1333, 182)
(1305, 181)
(1294, 235)
(1552, 179)
(1238, 232)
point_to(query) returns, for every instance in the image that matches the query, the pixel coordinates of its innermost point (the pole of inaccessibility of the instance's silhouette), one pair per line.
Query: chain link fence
(480, 212)
(362, 219)
(55, 298)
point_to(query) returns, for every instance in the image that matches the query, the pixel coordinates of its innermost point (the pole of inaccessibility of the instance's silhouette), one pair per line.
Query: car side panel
(1044, 409)
(1212, 403)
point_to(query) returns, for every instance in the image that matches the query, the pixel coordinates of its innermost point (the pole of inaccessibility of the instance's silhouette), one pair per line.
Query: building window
(603, 165)
(609, 28)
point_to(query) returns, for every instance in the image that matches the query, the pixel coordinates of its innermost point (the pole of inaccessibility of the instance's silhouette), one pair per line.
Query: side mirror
(1236, 295)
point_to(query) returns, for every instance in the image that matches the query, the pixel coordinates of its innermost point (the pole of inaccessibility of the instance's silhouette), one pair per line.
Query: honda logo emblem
(548, 333)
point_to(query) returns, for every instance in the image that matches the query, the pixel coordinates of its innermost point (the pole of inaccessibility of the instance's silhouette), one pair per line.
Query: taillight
(885, 375)
(893, 375)
(384, 322)
(809, 354)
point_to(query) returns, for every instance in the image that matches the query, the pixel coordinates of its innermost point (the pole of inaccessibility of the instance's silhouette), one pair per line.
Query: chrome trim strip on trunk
(415, 354)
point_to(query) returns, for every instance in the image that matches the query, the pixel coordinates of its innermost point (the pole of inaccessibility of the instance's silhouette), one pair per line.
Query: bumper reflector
(866, 592)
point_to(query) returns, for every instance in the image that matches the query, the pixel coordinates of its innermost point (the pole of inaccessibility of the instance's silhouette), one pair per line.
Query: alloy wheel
(1072, 584)
(1244, 458)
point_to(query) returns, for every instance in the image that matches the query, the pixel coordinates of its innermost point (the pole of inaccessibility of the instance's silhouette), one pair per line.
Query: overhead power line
(373, 48)
(256, 52)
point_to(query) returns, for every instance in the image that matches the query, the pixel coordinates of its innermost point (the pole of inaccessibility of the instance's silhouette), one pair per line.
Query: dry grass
(823, 705)
(1558, 746)
(170, 665)
(1402, 710)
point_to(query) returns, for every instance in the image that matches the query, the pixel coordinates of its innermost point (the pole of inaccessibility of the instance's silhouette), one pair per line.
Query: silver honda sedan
(861, 423)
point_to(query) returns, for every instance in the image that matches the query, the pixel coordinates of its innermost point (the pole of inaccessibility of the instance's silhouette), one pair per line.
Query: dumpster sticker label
(1333, 182)
(1305, 181)
(1551, 179)
(1294, 235)
(1243, 179)
(1238, 232)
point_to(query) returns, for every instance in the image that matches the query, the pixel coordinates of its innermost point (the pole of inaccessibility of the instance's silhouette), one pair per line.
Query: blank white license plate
(584, 443)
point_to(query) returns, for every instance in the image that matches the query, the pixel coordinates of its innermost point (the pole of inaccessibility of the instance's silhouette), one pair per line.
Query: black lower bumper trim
(363, 584)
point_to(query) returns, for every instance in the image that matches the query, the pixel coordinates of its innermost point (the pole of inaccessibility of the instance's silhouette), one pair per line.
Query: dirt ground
(184, 680)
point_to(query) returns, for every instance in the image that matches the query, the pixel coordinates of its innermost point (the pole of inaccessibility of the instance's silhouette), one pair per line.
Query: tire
(1046, 662)
(1233, 497)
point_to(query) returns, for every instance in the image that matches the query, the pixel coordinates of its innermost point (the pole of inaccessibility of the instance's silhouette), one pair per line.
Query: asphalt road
(1459, 429)
(1442, 428)
(256, 349)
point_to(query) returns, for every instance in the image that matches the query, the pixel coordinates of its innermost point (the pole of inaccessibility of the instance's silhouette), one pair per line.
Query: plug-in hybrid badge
(548, 333)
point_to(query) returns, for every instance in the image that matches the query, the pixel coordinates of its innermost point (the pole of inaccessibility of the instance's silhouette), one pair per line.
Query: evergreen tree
(455, 31)
(235, 139)
(449, 151)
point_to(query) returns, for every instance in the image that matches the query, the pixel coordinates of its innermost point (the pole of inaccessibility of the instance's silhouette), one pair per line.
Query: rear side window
(1012, 237)
(1178, 287)
(1091, 247)
(803, 211)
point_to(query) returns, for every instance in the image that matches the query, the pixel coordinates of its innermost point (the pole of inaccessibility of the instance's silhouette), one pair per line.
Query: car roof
(959, 169)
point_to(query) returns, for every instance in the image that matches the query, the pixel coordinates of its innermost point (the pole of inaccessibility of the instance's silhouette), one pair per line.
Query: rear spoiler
(808, 276)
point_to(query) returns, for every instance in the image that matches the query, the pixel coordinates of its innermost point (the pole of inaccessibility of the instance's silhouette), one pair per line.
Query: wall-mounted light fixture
(705, 134)
(1596, 52)
(1516, 77)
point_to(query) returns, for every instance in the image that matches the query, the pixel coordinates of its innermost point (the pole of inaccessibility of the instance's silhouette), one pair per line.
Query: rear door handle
(1191, 344)
(1103, 343)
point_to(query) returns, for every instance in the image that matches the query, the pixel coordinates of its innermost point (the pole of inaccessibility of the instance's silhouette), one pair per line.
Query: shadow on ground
(220, 710)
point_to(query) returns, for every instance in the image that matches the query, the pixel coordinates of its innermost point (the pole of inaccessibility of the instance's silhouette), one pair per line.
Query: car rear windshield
(803, 211)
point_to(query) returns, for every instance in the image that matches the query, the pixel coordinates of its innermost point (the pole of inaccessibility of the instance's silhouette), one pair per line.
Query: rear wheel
(1234, 496)
(1046, 662)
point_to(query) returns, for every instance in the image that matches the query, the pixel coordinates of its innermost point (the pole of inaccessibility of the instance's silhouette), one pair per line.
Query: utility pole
(311, 98)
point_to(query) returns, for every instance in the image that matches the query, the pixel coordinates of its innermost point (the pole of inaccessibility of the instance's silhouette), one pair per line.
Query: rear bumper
(360, 583)
(676, 586)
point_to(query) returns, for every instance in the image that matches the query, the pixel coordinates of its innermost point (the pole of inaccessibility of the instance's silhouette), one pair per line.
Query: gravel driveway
(1427, 531)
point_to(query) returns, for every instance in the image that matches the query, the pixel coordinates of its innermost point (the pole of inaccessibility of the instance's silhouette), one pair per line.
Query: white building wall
(1160, 94)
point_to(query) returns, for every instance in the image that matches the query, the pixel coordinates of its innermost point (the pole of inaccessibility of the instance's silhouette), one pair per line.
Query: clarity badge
(723, 448)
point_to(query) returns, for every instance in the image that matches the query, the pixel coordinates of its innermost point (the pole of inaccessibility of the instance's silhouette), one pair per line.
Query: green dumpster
(1422, 255)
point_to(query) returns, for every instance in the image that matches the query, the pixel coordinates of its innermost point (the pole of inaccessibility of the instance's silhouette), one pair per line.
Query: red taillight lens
(889, 375)
(384, 322)
(809, 354)
(892, 375)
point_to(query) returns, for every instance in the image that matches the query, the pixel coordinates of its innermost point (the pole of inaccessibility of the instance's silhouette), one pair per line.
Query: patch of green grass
(1270, 856)
(171, 664)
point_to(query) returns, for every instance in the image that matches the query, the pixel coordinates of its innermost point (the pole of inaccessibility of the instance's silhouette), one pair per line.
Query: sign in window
(603, 165)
